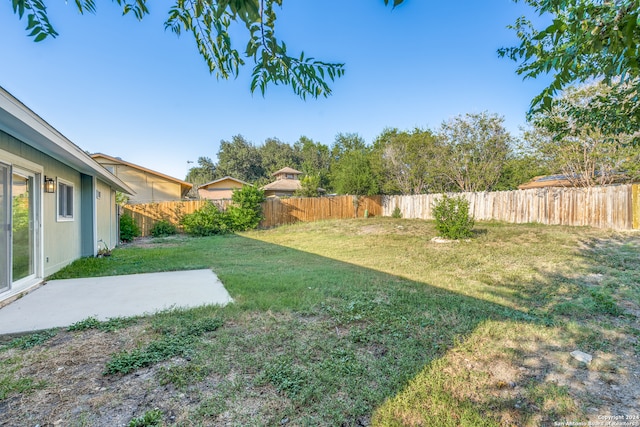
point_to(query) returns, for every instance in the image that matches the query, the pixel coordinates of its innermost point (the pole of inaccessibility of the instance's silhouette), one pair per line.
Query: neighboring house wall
(218, 190)
(149, 186)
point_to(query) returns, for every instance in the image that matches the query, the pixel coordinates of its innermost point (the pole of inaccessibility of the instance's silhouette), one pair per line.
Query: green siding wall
(62, 241)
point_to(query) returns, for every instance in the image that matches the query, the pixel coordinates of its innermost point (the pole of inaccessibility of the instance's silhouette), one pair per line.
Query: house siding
(60, 240)
(107, 216)
(219, 190)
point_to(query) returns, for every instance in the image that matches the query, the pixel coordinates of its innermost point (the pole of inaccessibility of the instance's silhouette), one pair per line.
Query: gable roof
(239, 181)
(286, 170)
(184, 186)
(19, 121)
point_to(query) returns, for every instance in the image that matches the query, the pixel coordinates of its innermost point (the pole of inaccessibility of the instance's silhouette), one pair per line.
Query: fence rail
(615, 206)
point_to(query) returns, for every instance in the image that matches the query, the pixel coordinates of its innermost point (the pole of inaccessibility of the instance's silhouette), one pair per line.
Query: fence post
(635, 205)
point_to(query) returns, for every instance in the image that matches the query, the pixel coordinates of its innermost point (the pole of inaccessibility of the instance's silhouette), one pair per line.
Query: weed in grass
(212, 407)
(110, 325)
(152, 418)
(554, 400)
(286, 377)
(10, 384)
(157, 351)
(182, 376)
(604, 303)
(179, 336)
(30, 340)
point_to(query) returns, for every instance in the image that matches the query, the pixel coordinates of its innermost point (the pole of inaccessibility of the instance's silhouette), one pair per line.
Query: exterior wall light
(49, 185)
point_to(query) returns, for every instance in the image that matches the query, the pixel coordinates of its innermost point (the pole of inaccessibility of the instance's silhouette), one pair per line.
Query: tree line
(468, 153)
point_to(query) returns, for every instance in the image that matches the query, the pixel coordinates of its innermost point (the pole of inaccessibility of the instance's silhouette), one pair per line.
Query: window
(65, 201)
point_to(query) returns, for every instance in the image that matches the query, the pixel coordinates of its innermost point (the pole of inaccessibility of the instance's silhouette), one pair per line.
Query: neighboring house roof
(561, 180)
(289, 185)
(546, 181)
(19, 121)
(184, 186)
(286, 170)
(239, 181)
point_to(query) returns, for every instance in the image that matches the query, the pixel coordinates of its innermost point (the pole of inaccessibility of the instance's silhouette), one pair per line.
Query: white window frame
(68, 186)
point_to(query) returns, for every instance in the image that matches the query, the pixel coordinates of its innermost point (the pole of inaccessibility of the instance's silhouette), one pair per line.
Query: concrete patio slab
(60, 303)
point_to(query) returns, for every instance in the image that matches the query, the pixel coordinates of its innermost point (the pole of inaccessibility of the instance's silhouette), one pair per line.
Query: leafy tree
(519, 169)
(407, 161)
(352, 174)
(210, 22)
(203, 173)
(345, 143)
(586, 39)
(584, 153)
(309, 186)
(315, 159)
(276, 155)
(239, 159)
(246, 211)
(475, 150)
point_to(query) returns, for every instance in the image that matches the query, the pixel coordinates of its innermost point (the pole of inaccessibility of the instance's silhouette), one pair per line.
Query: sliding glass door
(23, 227)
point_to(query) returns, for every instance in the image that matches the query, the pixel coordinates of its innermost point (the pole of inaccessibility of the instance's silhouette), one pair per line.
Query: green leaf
(40, 37)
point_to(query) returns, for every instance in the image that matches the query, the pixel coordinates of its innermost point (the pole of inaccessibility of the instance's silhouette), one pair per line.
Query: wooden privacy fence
(288, 211)
(276, 211)
(614, 206)
(147, 214)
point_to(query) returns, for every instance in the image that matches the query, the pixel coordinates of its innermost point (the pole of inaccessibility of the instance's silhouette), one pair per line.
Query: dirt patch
(153, 242)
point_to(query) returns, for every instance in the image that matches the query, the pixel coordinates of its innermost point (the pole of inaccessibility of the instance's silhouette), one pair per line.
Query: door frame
(6, 265)
(34, 228)
(19, 164)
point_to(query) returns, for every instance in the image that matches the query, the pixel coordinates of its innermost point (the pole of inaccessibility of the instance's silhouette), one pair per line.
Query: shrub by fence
(614, 206)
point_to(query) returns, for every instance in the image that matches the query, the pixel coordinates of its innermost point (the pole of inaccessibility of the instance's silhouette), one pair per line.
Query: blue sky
(131, 89)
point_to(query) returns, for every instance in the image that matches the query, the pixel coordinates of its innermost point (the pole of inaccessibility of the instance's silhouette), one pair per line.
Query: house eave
(19, 121)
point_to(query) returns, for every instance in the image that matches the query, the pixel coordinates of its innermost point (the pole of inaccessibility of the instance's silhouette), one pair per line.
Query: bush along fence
(615, 206)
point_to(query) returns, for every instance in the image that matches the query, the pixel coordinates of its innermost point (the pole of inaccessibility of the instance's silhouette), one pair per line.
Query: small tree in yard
(452, 217)
(246, 212)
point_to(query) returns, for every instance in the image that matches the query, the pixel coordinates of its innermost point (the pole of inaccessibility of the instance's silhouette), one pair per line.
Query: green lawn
(364, 322)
